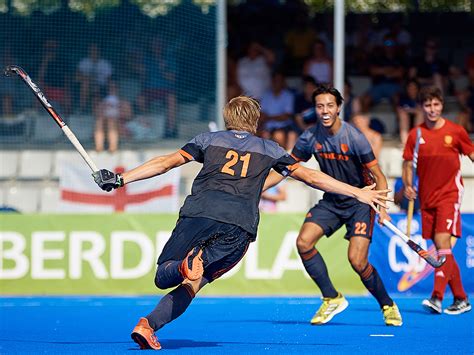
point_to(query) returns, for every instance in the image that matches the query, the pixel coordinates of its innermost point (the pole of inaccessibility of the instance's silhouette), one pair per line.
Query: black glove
(107, 180)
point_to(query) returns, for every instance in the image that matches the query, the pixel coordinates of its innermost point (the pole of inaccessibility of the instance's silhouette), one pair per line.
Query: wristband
(120, 182)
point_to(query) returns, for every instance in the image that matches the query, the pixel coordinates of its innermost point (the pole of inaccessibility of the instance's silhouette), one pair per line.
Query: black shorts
(223, 244)
(358, 218)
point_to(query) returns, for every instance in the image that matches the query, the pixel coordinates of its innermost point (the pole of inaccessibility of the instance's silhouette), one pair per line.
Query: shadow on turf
(174, 344)
(294, 322)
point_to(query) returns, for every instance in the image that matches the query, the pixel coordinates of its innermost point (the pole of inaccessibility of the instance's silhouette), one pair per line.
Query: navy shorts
(223, 244)
(358, 218)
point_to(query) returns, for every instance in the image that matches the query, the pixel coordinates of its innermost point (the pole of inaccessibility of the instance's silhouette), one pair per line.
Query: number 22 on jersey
(234, 158)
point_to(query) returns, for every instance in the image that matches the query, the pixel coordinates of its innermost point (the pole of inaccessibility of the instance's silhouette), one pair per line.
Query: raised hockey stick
(411, 203)
(9, 70)
(415, 247)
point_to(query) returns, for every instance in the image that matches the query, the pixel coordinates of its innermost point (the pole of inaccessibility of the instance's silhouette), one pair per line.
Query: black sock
(171, 306)
(316, 268)
(372, 281)
(168, 275)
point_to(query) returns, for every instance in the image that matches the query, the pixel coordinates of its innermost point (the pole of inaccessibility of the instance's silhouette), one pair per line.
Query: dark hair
(308, 79)
(326, 89)
(430, 93)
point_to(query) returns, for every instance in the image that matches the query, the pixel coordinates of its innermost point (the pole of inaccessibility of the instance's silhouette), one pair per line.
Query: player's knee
(358, 264)
(158, 283)
(303, 244)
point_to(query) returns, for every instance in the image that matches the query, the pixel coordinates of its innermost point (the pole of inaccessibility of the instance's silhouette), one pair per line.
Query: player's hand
(107, 180)
(374, 198)
(410, 193)
(383, 216)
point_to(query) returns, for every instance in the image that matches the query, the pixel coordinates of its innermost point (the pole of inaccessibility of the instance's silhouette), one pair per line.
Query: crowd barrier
(116, 254)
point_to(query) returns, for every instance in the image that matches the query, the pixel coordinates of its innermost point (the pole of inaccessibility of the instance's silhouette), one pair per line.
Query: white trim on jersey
(457, 205)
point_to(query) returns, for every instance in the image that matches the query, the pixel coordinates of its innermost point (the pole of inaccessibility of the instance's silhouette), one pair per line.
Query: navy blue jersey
(346, 156)
(229, 185)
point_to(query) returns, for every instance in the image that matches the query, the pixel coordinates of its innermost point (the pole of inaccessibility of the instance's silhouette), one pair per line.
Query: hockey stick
(415, 247)
(42, 99)
(411, 203)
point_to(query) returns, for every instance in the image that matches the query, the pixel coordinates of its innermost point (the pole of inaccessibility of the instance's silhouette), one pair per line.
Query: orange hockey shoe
(144, 335)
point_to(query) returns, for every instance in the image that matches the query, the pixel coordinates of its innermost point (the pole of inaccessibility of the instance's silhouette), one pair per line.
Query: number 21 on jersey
(233, 158)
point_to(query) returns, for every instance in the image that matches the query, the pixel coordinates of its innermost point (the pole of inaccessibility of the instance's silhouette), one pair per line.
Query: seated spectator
(399, 197)
(386, 70)
(93, 74)
(466, 99)
(429, 68)
(298, 44)
(277, 111)
(270, 198)
(159, 73)
(111, 111)
(254, 70)
(233, 89)
(319, 65)
(362, 123)
(54, 75)
(305, 115)
(409, 112)
(9, 89)
(351, 102)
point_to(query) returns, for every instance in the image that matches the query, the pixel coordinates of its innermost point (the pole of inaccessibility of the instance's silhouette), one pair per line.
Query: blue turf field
(227, 325)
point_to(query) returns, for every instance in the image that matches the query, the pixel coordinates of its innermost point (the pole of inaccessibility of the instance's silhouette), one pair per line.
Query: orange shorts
(442, 219)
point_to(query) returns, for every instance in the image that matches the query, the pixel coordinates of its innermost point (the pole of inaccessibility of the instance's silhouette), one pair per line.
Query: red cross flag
(80, 194)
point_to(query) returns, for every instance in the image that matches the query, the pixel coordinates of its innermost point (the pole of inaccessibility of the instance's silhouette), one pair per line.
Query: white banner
(79, 192)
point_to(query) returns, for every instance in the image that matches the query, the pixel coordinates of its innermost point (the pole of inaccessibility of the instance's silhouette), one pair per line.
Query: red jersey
(439, 162)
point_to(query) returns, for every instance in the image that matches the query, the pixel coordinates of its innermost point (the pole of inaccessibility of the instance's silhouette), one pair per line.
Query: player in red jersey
(440, 190)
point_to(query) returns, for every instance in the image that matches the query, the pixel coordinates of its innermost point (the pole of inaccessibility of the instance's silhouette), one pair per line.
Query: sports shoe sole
(431, 307)
(142, 342)
(338, 310)
(192, 267)
(460, 311)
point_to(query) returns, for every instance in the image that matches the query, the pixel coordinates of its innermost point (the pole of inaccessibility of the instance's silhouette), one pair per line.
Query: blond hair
(242, 113)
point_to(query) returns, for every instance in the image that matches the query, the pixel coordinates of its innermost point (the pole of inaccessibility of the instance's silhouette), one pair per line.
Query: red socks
(448, 273)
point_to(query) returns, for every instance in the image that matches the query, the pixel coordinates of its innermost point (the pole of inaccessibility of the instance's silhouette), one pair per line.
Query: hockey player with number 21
(219, 220)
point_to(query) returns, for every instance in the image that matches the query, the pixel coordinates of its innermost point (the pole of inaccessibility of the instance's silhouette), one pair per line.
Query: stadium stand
(29, 180)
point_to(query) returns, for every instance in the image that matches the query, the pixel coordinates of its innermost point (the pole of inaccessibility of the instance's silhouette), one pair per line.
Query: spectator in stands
(254, 70)
(465, 98)
(409, 112)
(305, 115)
(362, 123)
(277, 111)
(319, 65)
(233, 88)
(399, 196)
(351, 102)
(111, 111)
(159, 73)
(270, 198)
(298, 44)
(9, 89)
(93, 74)
(401, 36)
(361, 42)
(429, 68)
(53, 74)
(386, 70)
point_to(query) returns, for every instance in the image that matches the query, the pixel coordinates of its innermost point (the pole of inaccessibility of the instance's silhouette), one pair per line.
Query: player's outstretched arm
(108, 180)
(322, 181)
(272, 179)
